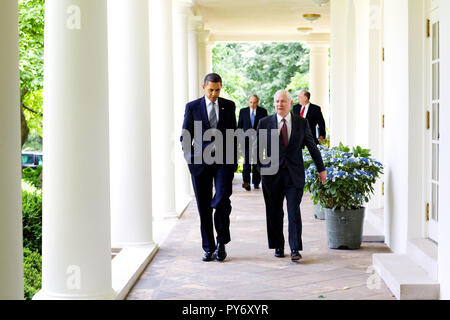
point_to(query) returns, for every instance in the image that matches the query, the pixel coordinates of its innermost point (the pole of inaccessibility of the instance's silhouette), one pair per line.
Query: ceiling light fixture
(304, 30)
(311, 17)
(321, 3)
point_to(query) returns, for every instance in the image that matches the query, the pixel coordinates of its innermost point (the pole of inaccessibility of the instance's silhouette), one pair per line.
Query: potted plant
(350, 180)
(319, 213)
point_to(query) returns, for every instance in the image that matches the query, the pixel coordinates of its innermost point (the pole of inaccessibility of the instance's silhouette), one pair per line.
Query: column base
(128, 266)
(166, 216)
(44, 295)
(183, 205)
(121, 245)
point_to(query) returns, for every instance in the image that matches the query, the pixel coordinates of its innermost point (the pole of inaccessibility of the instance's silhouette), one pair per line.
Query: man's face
(283, 104)
(302, 99)
(212, 90)
(253, 103)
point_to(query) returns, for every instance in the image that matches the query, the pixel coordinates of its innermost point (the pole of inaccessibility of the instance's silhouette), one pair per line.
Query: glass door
(433, 121)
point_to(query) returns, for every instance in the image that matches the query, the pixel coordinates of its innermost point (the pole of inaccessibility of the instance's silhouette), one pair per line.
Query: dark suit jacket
(196, 111)
(245, 122)
(315, 118)
(292, 156)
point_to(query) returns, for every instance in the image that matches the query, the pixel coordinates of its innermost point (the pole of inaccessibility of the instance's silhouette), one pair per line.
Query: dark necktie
(284, 133)
(213, 116)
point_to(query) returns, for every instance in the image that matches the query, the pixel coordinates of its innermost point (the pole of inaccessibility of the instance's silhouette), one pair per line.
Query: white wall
(444, 211)
(396, 123)
(338, 85)
(356, 58)
(404, 100)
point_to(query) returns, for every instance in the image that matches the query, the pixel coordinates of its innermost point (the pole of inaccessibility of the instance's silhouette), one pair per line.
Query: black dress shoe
(256, 186)
(295, 255)
(209, 256)
(247, 186)
(221, 254)
(279, 253)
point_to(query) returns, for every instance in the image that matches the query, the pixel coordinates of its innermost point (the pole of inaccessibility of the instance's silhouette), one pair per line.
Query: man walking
(248, 119)
(211, 112)
(289, 181)
(313, 114)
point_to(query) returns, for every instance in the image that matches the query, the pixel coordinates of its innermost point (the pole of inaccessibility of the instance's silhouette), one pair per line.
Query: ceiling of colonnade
(261, 19)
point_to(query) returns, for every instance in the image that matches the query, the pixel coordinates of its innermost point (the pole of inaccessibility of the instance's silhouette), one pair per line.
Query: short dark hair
(307, 94)
(254, 96)
(212, 77)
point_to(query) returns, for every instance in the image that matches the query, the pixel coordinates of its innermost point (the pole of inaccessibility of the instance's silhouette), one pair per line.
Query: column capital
(182, 6)
(318, 44)
(195, 23)
(203, 36)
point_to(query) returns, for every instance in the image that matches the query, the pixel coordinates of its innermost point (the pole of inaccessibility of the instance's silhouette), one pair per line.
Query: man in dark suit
(312, 113)
(202, 115)
(249, 119)
(289, 181)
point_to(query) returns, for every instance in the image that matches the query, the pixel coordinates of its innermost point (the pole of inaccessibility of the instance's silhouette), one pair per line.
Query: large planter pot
(319, 213)
(345, 228)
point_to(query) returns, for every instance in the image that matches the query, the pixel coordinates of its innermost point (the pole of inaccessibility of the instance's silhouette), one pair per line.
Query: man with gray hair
(289, 181)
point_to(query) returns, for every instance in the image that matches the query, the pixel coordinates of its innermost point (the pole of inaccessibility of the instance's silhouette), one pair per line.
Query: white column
(403, 99)
(11, 270)
(76, 261)
(193, 55)
(338, 97)
(375, 93)
(203, 36)
(130, 139)
(209, 46)
(181, 97)
(319, 79)
(162, 89)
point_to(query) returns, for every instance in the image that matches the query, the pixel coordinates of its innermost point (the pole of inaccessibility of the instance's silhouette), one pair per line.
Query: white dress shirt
(288, 124)
(208, 107)
(306, 110)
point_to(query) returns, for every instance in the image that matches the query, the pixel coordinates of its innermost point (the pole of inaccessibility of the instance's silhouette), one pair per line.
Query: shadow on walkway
(251, 272)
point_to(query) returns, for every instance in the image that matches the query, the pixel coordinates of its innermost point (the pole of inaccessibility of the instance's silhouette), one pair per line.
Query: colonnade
(116, 78)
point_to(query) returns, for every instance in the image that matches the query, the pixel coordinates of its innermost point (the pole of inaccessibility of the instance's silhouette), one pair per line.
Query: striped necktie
(213, 116)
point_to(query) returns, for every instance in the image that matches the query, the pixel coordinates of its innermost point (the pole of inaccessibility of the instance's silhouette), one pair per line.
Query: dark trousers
(275, 189)
(247, 173)
(222, 177)
(250, 168)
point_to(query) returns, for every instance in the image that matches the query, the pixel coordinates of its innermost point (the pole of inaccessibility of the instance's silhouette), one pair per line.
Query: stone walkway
(251, 272)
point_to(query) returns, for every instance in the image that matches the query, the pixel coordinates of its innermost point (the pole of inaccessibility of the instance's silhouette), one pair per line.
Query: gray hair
(288, 95)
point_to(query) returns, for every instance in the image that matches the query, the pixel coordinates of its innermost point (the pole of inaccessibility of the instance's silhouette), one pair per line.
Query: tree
(262, 69)
(31, 46)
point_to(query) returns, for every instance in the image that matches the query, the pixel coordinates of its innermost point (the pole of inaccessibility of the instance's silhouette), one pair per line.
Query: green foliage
(350, 178)
(33, 143)
(262, 69)
(31, 38)
(33, 100)
(32, 269)
(31, 45)
(31, 176)
(32, 216)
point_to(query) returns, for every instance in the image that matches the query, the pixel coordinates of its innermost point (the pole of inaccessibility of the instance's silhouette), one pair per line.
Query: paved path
(251, 272)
